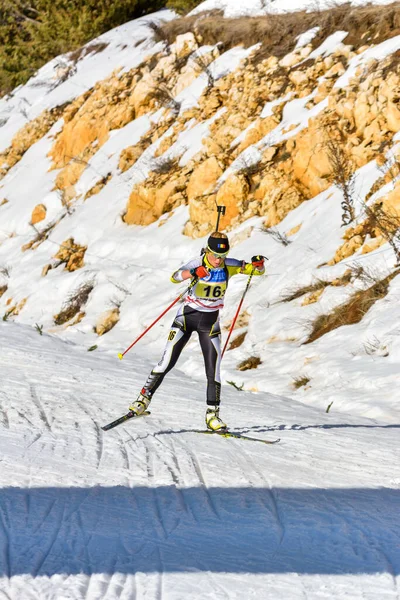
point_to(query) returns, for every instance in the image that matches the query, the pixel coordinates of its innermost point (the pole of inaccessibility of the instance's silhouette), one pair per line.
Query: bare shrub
(65, 201)
(390, 170)
(64, 70)
(5, 271)
(249, 363)
(41, 236)
(3, 289)
(24, 113)
(367, 276)
(74, 303)
(204, 66)
(353, 310)
(159, 34)
(343, 177)
(279, 237)
(164, 97)
(373, 346)
(387, 223)
(165, 164)
(246, 166)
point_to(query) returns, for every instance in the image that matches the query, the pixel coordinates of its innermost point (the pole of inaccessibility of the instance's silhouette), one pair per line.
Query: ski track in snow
(152, 510)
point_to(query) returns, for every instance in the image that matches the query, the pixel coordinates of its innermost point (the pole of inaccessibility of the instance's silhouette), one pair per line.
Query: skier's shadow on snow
(175, 529)
(296, 427)
(271, 428)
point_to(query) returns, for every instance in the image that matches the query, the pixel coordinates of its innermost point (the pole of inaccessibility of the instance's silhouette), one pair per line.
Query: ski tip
(120, 356)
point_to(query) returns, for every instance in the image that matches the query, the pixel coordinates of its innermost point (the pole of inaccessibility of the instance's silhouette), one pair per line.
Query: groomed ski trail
(152, 510)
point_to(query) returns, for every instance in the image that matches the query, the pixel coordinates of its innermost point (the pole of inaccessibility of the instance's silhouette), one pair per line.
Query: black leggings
(185, 323)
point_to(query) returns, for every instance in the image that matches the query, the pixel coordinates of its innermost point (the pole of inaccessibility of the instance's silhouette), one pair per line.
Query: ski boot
(141, 404)
(213, 420)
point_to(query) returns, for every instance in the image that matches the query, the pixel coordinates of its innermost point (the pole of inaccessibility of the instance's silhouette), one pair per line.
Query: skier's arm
(241, 267)
(185, 271)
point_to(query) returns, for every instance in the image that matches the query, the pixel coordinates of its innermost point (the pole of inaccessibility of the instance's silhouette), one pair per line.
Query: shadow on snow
(45, 531)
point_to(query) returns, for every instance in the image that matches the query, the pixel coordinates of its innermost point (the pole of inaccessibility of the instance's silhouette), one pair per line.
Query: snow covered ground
(154, 510)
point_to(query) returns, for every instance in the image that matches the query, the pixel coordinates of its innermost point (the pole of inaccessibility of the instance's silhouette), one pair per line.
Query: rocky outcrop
(201, 194)
(107, 321)
(243, 109)
(38, 214)
(161, 193)
(381, 224)
(71, 254)
(27, 136)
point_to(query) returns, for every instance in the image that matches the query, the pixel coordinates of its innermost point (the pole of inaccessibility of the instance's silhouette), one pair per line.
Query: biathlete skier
(200, 312)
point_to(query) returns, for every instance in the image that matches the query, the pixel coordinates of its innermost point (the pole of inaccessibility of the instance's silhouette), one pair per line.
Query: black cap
(218, 245)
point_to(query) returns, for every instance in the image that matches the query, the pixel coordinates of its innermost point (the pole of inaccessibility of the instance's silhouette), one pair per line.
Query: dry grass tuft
(165, 164)
(353, 310)
(320, 284)
(83, 51)
(249, 363)
(300, 381)
(290, 295)
(277, 33)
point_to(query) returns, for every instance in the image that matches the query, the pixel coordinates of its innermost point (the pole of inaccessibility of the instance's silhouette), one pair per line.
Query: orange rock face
(38, 214)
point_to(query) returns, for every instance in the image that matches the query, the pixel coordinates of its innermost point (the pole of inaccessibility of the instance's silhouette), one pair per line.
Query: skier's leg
(210, 342)
(177, 339)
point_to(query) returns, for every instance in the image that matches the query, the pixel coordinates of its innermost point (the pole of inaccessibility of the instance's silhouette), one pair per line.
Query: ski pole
(238, 310)
(122, 354)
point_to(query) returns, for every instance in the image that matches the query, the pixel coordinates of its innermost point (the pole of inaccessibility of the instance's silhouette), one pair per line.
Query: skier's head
(217, 248)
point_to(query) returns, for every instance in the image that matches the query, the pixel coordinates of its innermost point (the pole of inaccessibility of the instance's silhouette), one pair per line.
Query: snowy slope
(130, 265)
(155, 510)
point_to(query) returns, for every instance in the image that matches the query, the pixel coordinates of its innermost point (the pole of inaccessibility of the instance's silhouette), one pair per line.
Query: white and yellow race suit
(200, 312)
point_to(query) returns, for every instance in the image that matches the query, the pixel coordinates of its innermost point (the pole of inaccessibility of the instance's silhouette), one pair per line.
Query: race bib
(213, 287)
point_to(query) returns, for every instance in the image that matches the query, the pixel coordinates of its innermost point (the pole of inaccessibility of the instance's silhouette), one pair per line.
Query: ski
(129, 415)
(238, 436)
